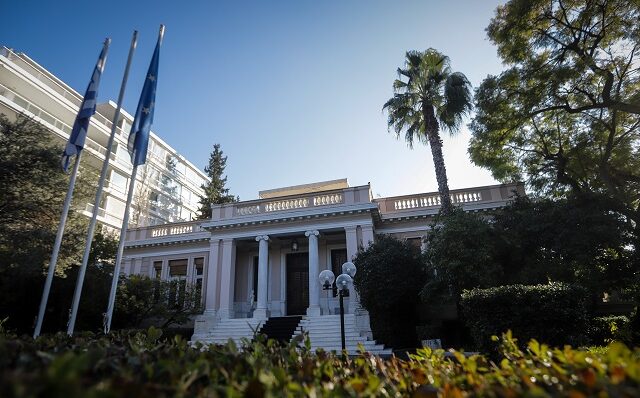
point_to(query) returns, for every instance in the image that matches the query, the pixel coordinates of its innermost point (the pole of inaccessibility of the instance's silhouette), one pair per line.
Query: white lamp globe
(326, 278)
(343, 282)
(349, 269)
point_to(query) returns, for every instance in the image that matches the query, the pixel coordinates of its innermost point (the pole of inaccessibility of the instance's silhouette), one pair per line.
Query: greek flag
(139, 135)
(87, 109)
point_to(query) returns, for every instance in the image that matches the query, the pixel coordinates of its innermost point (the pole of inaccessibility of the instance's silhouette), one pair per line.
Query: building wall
(170, 195)
(346, 219)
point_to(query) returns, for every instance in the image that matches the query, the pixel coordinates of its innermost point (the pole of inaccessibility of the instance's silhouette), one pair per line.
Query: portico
(258, 273)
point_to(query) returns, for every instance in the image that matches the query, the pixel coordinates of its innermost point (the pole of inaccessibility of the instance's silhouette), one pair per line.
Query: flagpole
(103, 175)
(116, 270)
(137, 145)
(56, 247)
(73, 147)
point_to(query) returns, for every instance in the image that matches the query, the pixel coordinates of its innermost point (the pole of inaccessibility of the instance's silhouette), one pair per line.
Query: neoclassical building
(257, 261)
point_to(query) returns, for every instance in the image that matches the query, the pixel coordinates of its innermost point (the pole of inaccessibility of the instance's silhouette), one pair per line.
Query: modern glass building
(169, 186)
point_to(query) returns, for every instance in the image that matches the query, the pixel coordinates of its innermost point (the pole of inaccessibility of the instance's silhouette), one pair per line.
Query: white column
(263, 272)
(367, 236)
(128, 262)
(211, 286)
(314, 270)
(227, 280)
(351, 233)
(137, 269)
(424, 243)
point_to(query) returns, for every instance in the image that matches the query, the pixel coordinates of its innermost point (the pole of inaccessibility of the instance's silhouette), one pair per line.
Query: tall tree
(431, 98)
(566, 114)
(215, 191)
(169, 196)
(142, 196)
(32, 192)
(33, 188)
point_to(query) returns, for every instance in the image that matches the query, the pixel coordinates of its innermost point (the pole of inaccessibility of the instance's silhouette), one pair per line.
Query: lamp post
(343, 282)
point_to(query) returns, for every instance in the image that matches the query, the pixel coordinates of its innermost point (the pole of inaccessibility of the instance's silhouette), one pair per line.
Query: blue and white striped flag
(139, 135)
(87, 109)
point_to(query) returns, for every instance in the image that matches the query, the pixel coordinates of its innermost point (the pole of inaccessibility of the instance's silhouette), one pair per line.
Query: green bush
(390, 275)
(555, 313)
(147, 365)
(145, 301)
(461, 254)
(605, 329)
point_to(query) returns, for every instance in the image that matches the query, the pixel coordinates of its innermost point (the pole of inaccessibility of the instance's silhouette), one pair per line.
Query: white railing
(330, 199)
(417, 202)
(163, 163)
(287, 204)
(53, 121)
(75, 98)
(179, 229)
(466, 197)
(247, 210)
(114, 187)
(34, 109)
(101, 212)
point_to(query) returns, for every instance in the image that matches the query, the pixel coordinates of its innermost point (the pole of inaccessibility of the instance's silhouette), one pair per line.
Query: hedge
(605, 329)
(555, 313)
(145, 365)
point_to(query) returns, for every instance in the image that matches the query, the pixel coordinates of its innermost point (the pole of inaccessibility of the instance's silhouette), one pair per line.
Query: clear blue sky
(292, 90)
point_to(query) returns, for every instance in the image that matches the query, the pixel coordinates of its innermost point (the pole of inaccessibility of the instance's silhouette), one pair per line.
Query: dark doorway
(297, 283)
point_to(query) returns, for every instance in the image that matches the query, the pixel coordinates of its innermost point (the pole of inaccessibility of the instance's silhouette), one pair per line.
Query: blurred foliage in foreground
(145, 365)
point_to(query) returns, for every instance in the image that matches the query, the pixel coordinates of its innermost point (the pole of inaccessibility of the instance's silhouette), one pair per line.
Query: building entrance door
(297, 283)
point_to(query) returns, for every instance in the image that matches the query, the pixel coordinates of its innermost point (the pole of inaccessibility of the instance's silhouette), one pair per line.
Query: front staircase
(324, 332)
(281, 328)
(235, 329)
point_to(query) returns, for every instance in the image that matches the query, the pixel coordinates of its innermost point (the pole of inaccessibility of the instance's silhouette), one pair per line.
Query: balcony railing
(109, 218)
(159, 231)
(347, 196)
(55, 122)
(73, 97)
(479, 196)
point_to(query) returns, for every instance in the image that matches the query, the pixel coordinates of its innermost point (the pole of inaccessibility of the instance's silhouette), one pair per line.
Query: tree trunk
(432, 130)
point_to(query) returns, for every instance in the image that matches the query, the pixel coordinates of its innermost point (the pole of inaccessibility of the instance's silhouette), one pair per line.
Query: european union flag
(87, 109)
(139, 135)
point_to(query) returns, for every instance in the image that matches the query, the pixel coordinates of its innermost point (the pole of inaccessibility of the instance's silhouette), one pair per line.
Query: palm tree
(432, 97)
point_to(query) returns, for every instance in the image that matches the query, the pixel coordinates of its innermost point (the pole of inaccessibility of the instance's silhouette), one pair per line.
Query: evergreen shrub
(555, 313)
(605, 329)
(129, 364)
(391, 273)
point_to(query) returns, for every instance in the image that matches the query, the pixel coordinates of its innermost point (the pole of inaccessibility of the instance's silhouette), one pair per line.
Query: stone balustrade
(466, 197)
(292, 203)
(472, 199)
(160, 231)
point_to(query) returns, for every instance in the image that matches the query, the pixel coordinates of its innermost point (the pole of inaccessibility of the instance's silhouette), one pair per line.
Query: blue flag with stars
(87, 109)
(139, 135)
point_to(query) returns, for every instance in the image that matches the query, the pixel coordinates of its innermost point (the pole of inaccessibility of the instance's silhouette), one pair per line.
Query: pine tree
(32, 191)
(215, 192)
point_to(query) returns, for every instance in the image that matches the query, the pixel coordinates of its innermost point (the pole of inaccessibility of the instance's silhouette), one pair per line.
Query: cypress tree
(215, 192)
